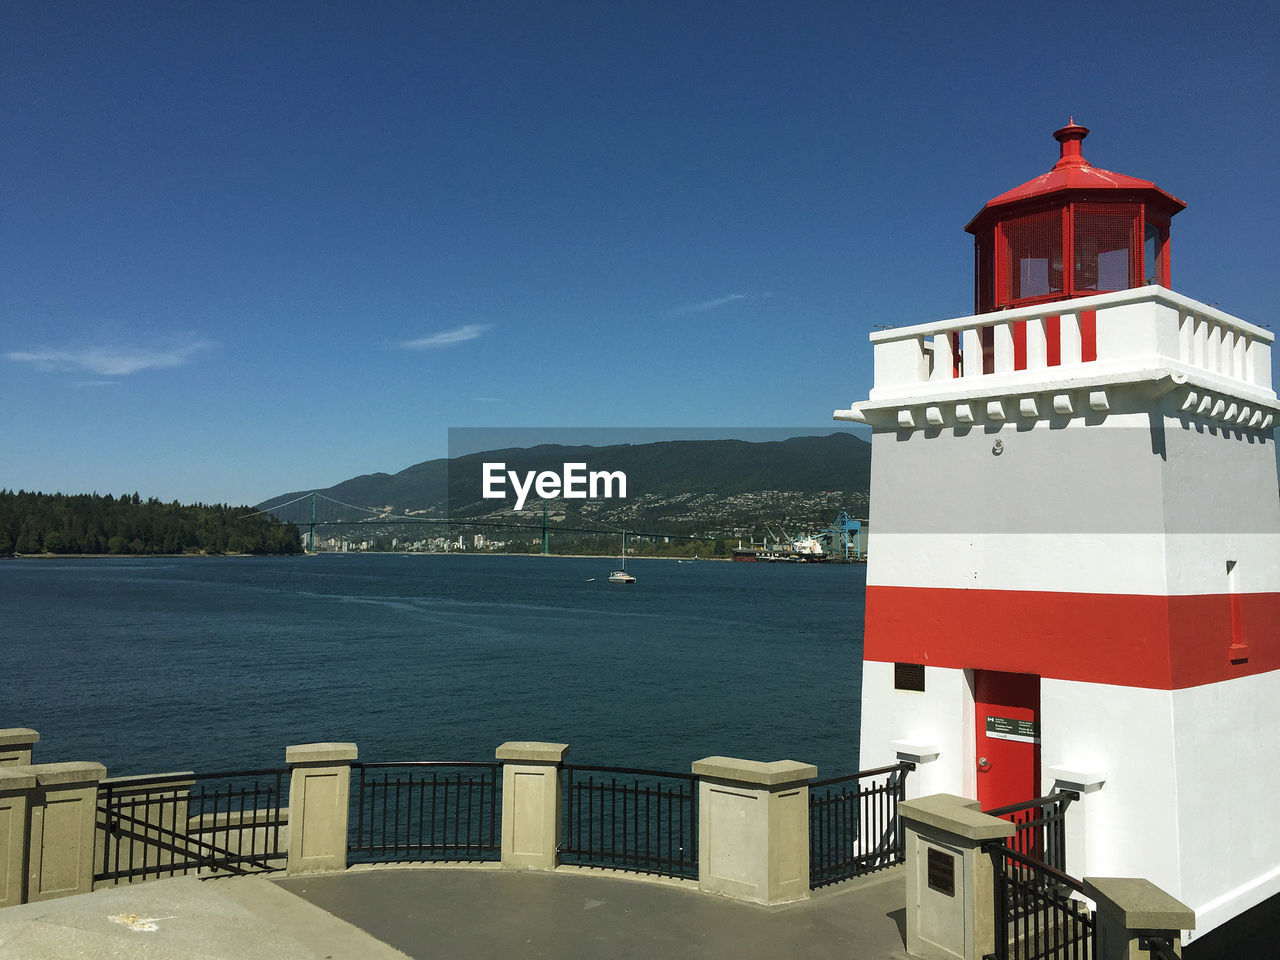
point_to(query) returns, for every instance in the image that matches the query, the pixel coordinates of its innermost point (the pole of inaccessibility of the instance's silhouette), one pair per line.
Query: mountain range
(701, 486)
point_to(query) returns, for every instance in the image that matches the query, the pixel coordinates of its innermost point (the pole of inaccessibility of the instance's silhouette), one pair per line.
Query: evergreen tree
(28, 540)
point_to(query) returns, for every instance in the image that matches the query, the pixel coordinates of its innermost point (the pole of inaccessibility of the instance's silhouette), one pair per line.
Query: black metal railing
(853, 823)
(1036, 916)
(630, 819)
(1041, 828)
(172, 824)
(425, 811)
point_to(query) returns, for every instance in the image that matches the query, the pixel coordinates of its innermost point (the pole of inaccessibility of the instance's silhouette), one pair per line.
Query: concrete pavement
(577, 914)
(441, 913)
(183, 919)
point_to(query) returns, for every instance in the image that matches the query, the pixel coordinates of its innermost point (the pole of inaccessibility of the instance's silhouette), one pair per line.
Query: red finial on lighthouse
(1071, 137)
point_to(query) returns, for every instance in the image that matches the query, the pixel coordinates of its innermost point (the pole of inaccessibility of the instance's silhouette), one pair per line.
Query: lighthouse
(1074, 580)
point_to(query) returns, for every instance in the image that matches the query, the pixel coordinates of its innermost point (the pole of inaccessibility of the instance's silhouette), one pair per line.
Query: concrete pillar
(753, 828)
(319, 805)
(15, 795)
(62, 822)
(15, 746)
(530, 803)
(928, 774)
(1130, 911)
(1078, 855)
(950, 880)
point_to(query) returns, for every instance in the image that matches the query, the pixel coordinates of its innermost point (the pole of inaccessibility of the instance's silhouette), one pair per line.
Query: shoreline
(339, 553)
(140, 556)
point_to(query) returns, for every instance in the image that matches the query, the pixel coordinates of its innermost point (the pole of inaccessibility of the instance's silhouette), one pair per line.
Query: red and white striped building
(1076, 533)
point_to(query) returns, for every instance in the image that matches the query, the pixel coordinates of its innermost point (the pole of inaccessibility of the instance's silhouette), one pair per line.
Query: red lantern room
(1072, 232)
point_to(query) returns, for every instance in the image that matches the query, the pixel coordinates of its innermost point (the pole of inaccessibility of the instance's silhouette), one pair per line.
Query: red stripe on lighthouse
(1164, 643)
(1053, 341)
(1088, 335)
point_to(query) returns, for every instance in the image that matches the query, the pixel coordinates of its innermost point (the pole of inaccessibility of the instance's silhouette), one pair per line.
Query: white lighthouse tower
(1074, 579)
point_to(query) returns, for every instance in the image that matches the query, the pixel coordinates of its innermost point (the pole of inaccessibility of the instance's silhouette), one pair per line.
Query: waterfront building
(1076, 579)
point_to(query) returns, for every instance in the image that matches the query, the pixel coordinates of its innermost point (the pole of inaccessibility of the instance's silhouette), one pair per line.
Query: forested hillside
(34, 523)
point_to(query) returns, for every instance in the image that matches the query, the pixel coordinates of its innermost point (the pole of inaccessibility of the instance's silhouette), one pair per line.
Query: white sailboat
(620, 575)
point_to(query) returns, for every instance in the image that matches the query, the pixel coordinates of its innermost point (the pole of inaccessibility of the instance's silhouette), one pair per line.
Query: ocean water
(212, 664)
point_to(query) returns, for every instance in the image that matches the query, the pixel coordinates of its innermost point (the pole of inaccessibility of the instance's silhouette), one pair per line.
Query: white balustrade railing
(1149, 327)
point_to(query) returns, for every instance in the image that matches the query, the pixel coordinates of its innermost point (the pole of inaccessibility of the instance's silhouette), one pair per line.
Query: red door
(1006, 737)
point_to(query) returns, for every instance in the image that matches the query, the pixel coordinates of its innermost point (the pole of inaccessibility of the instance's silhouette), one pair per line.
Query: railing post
(971, 351)
(530, 803)
(1037, 343)
(1003, 347)
(1070, 338)
(951, 909)
(15, 746)
(62, 820)
(16, 788)
(1130, 911)
(753, 828)
(319, 806)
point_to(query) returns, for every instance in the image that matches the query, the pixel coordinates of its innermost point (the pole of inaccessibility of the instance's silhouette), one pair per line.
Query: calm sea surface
(217, 664)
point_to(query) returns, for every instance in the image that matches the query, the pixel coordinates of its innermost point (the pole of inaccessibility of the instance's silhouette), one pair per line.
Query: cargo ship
(839, 543)
(800, 550)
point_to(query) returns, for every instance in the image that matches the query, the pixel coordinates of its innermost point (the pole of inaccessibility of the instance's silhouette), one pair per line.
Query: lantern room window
(1106, 247)
(1033, 255)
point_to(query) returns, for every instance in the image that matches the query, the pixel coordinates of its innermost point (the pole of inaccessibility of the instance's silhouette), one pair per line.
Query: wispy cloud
(718, 302)
(447, 338)
(708, 304)
(109, 361)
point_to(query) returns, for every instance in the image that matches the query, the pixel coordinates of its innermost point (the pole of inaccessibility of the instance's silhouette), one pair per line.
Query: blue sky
(258, 247)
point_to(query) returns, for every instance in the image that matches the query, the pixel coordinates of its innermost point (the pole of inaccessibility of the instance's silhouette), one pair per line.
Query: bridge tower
(1076, 573)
